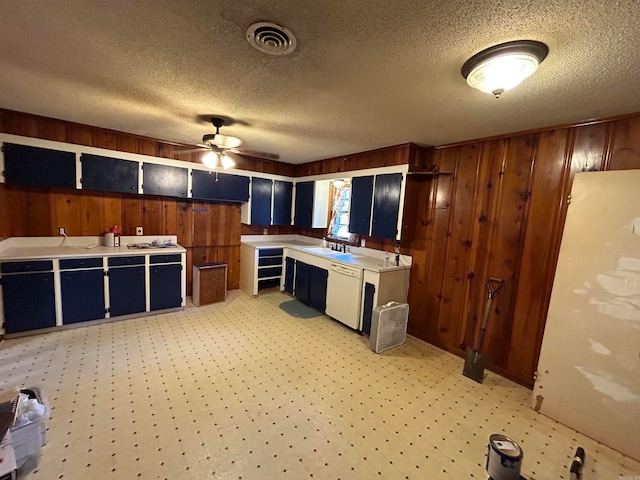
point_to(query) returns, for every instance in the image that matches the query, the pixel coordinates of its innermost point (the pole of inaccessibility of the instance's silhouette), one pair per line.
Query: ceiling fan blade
(256, 154)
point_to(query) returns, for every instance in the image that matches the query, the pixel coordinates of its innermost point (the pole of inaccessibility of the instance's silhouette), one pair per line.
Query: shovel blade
(474, 364)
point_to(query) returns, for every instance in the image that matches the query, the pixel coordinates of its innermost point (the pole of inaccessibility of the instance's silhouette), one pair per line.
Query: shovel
(474, 361)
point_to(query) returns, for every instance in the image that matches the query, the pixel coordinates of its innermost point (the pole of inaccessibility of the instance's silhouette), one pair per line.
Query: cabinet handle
(133, 188)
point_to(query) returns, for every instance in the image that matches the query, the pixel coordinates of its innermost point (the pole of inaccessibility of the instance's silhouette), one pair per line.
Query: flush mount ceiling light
(502, 67)
(338, 183)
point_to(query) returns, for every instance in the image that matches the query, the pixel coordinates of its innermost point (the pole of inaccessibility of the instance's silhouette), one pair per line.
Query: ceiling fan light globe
(227, 162)
(210, 160)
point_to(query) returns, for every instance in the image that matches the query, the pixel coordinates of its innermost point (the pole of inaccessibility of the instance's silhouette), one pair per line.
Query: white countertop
(38, 248)
(366, 258)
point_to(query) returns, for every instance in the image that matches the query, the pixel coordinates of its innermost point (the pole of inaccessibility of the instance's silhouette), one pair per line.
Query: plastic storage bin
(27, 440)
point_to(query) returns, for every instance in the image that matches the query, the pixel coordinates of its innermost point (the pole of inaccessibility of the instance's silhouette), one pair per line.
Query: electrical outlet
(362, 242)
(61, 231)
(138, 230)
(265, 231)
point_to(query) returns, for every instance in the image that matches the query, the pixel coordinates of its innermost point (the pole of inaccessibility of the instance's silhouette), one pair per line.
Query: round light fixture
(227, 162)
(502, 67)
(338, 183)
(210, 160)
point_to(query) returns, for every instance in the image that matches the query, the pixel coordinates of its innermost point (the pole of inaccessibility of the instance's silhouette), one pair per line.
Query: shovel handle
(494, 284)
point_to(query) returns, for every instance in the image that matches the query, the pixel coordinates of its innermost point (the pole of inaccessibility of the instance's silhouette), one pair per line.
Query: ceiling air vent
(271, 38)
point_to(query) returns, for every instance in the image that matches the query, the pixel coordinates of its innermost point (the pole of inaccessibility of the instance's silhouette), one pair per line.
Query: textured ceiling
(366, 74)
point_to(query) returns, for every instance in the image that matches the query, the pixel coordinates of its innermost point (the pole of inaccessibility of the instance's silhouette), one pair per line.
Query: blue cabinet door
(386, 205)
(289, 274)
(261, 201)
(166, 286)
(304, 204)
(235, 188)
(28, 301)
(164, 180)
(301, 284)
(82, 295)
(367, 310)
(126, 290)
(282, 197)
(109, 174)
(318, 288)
(220, 186)
(361, 198)
(39, 166)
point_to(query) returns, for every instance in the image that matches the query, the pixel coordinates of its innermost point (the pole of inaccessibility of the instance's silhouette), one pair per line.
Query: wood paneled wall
(500, 213)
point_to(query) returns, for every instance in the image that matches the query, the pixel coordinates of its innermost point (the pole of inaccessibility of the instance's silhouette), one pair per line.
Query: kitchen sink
(322, 250)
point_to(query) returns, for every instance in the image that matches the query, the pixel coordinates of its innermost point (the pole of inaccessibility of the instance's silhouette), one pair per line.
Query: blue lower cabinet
(289, 274)
(310, 285)
(318, 288)
(29, 301)
(127, 290)
(82, 295)
(367, 311)
(166, 286)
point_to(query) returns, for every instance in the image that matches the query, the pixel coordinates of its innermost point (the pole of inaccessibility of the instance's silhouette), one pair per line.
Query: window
(340, 193)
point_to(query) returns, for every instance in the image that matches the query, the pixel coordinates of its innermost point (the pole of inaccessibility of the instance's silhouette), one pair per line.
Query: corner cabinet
(304, 204)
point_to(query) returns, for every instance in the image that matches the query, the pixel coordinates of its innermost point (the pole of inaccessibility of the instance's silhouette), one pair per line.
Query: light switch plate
(138, 230)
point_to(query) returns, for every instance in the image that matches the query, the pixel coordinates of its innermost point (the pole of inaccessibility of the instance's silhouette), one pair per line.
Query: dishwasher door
(344, 287)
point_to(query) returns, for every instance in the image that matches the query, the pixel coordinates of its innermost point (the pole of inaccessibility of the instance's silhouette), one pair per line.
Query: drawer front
(172, 258)
(265, 261)
(269, 272)
(74, 263)
(22, 267)
(269, 252)
(120, 261)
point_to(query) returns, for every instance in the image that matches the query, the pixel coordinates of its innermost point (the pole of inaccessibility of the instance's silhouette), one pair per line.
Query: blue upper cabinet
(164, 180)
(261, 201)
(39, 166)
(386, 205)
(224, 187)
(282, 198)
(304, 204)
(109, 174)
(360, 210)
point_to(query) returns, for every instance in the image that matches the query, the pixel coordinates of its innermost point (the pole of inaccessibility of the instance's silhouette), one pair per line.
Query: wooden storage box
(209, 283)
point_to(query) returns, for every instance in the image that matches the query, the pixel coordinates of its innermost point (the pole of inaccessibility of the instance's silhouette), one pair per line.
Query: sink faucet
(344, 248)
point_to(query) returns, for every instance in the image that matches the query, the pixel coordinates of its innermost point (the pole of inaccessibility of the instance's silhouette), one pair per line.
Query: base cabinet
(29, 301)
(82, 295)
(310, 285)
(165, 286)
(126, 290)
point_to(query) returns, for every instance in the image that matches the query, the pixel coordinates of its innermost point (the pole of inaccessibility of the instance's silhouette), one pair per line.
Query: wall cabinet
(28, 295)
(164, 180)
(109, 174)
(165, 273)
(310, 285)
(270, 202)
(282, 199)
(82, 286)
(375, 205)
(39, 166)
(303, 216)
(208, 185)
(261, 192)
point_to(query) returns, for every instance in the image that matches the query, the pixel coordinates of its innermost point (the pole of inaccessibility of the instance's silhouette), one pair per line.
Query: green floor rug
(297, 309)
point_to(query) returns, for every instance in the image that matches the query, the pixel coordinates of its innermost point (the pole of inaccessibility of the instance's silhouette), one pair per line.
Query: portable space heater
(388, 326)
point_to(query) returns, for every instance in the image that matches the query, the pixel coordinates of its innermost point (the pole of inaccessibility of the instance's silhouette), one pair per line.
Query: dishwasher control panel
(344, 270)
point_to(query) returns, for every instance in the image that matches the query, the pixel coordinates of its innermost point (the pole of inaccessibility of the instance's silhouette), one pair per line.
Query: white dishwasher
(344, 287)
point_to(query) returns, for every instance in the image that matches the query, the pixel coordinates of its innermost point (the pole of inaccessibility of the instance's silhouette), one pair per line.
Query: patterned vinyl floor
(241, 390)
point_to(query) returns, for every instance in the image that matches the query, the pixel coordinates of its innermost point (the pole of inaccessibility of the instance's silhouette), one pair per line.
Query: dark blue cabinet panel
(361, 198)
(318, 288)
(109, 174)
(311, 285)
(28, 301)
(367, 310)
(27, 266)
(164, 180)
(126, 290)
(386, 205)
(301, 284)
(304, 204)
(82, 295)
(282, 197)
(220, 186)
(39, 166)
(261, 201)
(289, 273)
(166, 286)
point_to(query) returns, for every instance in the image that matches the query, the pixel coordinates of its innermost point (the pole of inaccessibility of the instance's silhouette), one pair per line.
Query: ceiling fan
(220, 145)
